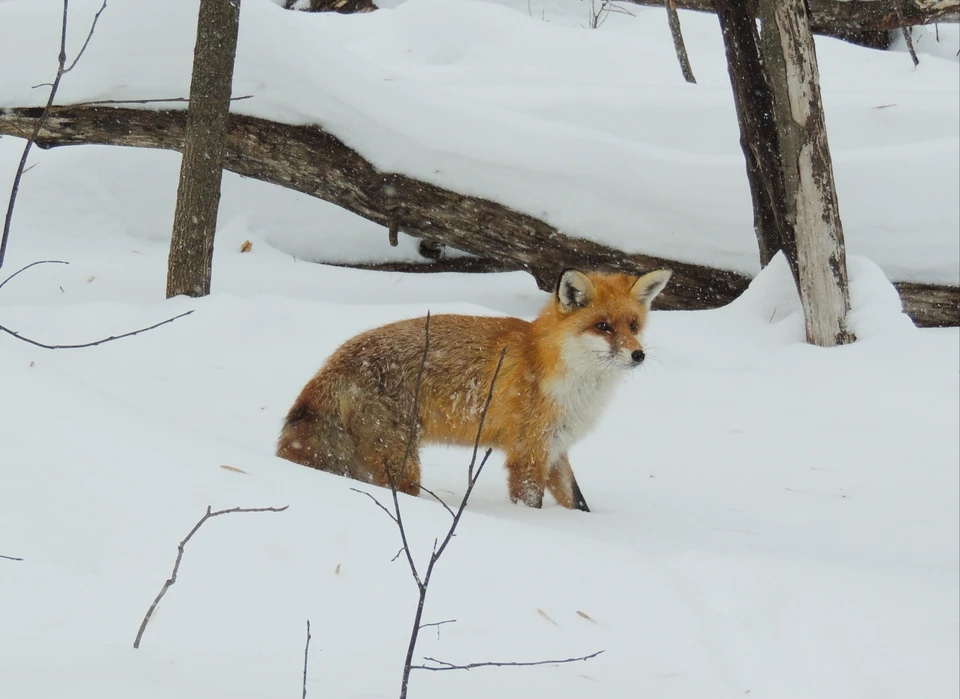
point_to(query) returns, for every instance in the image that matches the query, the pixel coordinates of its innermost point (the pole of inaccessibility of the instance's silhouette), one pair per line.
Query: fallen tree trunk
(310, 160)
(830, 16)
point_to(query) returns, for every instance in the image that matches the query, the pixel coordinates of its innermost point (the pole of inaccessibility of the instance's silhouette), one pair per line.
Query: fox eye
(634, 327)
(603, 327)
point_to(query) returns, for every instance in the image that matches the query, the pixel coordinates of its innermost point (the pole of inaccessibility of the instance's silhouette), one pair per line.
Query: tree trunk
(758, 131)
(812, 211)
(287, 155)
(190, 265)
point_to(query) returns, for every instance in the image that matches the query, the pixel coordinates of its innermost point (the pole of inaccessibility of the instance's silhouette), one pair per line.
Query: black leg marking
(578, 500)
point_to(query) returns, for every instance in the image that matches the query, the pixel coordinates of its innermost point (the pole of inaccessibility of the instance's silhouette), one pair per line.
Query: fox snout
(637, 356)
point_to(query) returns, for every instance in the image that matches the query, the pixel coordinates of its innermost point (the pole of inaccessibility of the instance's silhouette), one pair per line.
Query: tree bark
(812, 210)
(344, 7)
(829, 16)
(758, 132)
(190, 266)
(311, 161)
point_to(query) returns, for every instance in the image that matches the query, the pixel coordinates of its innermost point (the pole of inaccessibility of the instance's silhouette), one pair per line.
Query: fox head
(601, 317)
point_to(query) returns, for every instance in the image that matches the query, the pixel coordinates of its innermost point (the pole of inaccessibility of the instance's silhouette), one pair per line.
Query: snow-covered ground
(770, 519)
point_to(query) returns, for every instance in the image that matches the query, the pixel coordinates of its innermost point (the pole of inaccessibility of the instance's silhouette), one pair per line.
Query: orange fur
(353, 417)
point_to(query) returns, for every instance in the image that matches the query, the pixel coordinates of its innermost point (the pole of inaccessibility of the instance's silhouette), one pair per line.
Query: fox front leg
(562, 484)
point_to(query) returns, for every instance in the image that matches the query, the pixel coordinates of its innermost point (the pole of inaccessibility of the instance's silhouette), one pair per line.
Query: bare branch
(62, 59)
(483, 417)
(438, 548)
(10, 558)
(306, 657)
(93, 26)
(441, 665)
(176, 565)
(32, 264)
(61, 62)
(95, 343)
(437, 498)
(414, 419)
(377, 502)
(438, 623)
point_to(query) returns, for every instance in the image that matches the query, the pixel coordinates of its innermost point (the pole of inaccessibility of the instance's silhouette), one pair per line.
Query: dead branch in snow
(176, 565)
(309, 160)
(10, 558)
(441, 665)
(32, 264)
(102, 341)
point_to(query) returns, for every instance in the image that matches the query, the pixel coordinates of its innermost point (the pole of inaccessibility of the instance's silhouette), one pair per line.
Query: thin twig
(176, 565)
(414, 418)
(306, 657)
(61, 70)
(376, 502)
(483, 414)
(93, 26)
(32, 264)
(438, 551)
(95, 343)
(10, 558)
(437, 498)
(152, 100)
(438, 624)
(442, 665)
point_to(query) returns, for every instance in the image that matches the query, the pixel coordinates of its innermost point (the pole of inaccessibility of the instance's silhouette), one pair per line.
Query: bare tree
(190, 265)
(783, 135)
(812, 209)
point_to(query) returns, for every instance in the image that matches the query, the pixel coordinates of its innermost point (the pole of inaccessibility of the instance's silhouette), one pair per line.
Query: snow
(770, 519)
(592, 130)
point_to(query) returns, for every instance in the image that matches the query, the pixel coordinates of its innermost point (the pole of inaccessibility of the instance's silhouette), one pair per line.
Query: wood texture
(309, 160)
(190, 264)
(829, 16)
(759, 138)
(790, 57)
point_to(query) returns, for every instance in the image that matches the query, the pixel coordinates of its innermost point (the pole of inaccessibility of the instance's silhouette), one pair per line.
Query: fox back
(355, 416)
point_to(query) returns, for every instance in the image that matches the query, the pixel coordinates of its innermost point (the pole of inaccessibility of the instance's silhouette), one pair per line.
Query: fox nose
(637, 356)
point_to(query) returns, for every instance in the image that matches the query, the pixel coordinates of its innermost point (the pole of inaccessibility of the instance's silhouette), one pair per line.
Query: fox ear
(574, 290)
(649, 285)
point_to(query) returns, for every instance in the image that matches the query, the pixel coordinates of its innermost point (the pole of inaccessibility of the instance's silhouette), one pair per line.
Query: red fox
(353, 417)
